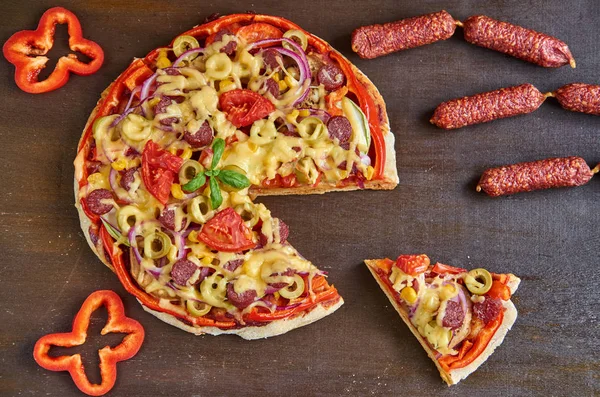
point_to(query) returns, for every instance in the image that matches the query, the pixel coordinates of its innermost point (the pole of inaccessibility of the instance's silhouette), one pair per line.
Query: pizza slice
(178, 146)
(458, 316)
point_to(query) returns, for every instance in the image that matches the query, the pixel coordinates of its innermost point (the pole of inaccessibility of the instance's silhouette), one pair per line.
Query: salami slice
(99, 201)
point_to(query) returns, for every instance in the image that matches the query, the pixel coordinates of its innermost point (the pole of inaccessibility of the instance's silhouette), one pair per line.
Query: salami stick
(529, 45)
(487, 106)
(536, 175)
(376, 40)
(519, 42)
(579, 97)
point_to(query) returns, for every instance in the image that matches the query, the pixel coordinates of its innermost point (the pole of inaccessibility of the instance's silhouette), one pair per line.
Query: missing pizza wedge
(460, 317)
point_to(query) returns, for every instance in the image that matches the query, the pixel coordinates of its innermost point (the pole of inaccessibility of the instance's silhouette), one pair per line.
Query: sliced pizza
(178, 146)
(458, 316)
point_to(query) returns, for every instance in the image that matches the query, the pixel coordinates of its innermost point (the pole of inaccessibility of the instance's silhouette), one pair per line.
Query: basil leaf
(233, 179)
(218, 147)
(215, 193)
(114, 233)
(209, 173)
(196, 183)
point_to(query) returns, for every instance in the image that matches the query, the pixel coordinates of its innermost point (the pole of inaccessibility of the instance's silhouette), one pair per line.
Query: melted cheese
(430, 310)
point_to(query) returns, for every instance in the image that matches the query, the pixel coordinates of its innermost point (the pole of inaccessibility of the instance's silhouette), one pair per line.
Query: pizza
(181, 143)
(458, 316)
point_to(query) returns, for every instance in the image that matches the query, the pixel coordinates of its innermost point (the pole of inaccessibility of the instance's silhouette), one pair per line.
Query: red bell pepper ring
(26, 50)
(109, 356)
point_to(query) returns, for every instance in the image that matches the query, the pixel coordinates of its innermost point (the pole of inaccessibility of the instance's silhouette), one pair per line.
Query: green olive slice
(197, 309)
(478, 281)
(185, 43)
(156, 245)
(296, 35)
(312, 129)
(214, 289)
(189, 170)
(294, 290)
(199, 209)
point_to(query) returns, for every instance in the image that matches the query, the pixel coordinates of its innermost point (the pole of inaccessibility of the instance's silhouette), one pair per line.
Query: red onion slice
(133, 92)
(190, 229)
(180, 244)
(298, 55)
(130, 110)
(185, 54)
(366, 160)
(271, 290)
(301, 61)
(318, 113)
(131, 236)
(146, 86)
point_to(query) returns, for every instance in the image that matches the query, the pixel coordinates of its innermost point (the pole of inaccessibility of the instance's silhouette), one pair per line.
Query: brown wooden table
(550, 239)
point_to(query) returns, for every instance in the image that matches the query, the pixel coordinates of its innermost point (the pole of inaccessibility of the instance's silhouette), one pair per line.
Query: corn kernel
(193, 236)
(163, 62)
(276, 77)
(305, 113)
(224, 84)
(187, 153)
(207, 260)
(282, 85)
(409, 295)
(290, 81)
(96, 179)
(370, 173)
(291, 117)
(119, 165)
(176, 191)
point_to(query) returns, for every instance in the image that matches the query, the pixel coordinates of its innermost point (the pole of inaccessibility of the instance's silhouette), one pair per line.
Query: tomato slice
(258, 31)
(440, 268)
(413, 264)
(244, 107)
(159, 168)
(227, 232)
(280, 181)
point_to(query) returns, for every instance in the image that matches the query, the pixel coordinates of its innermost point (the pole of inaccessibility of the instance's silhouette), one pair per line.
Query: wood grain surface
(550, 238)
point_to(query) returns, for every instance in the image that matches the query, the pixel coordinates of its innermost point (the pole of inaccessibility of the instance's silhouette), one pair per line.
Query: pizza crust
(455, 375)
(273, 328)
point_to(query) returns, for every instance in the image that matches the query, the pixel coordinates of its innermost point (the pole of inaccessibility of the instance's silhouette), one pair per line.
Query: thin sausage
(579, 97)
(519, 42)
(487, 106)
(376, 40)
(535, 175)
